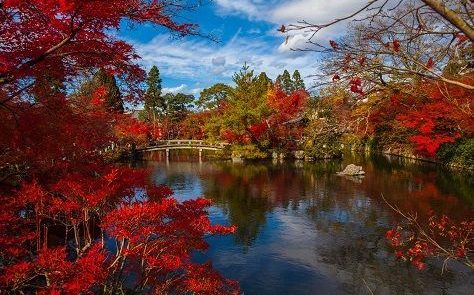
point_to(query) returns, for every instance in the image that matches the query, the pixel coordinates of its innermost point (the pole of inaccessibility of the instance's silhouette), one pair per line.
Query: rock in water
(352, 170)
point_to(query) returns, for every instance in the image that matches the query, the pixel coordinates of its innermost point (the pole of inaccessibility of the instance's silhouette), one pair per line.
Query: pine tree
(285, 82)
(113, 99)
(264, 80)
(298, 83)
(154, 102)
(210, 97)
(247, 105)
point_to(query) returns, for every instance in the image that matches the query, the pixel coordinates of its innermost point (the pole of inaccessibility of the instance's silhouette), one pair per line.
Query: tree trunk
(452, 17)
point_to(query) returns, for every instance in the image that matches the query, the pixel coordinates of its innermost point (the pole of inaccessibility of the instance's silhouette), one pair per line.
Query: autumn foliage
(441, 237)
(274, 127)
(428, 118)
(70, 222)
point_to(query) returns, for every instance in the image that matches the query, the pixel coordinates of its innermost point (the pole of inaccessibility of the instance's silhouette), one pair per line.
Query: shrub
(248, 151)
(459, 153)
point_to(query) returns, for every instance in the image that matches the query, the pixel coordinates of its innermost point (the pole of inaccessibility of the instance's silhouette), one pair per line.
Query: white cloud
(204, 63)
(218, 61)
(243, 7)
(174, 90)
(319, 11)
(290, 11)
(294, 42)
(183, 88)
(254, 31)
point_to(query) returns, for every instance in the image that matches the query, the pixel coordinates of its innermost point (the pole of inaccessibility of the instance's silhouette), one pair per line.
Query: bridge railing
(187, 142)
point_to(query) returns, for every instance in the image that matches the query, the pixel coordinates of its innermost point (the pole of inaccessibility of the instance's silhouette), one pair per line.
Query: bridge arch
(180, 144)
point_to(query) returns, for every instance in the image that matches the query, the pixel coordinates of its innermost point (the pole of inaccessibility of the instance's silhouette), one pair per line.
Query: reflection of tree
(344, 221)
(359, 253)
(248, 192)
(241, 197)
(352, 246)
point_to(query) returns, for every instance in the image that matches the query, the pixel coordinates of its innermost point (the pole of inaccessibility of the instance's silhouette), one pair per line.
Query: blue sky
(247, 33)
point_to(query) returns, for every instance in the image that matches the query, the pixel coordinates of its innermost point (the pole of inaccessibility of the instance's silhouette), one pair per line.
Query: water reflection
(304, 230)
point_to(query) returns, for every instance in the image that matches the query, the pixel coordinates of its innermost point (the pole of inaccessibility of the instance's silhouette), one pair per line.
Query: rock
(352, 170)
(308, 159)
(299, 155)
(237, 160)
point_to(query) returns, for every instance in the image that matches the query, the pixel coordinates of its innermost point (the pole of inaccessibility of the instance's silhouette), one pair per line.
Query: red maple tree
(438, 118)
(70, 222)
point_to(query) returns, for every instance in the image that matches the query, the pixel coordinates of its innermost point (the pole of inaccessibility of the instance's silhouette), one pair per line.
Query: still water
(302, 229)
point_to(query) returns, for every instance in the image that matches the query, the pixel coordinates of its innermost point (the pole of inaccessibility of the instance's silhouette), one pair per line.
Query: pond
(302, 229)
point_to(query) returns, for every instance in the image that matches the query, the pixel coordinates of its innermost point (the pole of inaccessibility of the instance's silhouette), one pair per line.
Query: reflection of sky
(320, 239)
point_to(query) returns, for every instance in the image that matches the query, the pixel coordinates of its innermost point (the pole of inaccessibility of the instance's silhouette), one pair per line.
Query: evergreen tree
(113, 99)
(285, 82)
(298, 83)
(246, 106)
(264, 80)
(154, 102)
(177, 105)
(210, 97)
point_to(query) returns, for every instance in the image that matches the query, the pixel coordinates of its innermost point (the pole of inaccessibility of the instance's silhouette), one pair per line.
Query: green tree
(246, 106)
(290, 83)
(176, 109)
(298, 83)
(210, 97)
(113, 98)
(264, 81)
(285, 82)
(154, 102)
(177, 105)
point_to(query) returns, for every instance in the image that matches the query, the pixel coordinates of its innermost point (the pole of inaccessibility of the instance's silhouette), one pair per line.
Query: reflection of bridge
(180, 144)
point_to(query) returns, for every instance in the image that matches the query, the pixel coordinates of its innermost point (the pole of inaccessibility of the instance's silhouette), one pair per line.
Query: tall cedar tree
(297, 81)
(154, 102)
(113, 98)
(289, 83)
(284, 81)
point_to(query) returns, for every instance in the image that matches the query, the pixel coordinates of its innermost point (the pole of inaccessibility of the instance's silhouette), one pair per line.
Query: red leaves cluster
(131, 129)
(415, 253)
(333, 44)
(156, 234)
(356, 85)
(48, 37)
(428, 119)
(395, 45)
(63, 205)
(442, 237)
(461, 39)
(192, 126)
(435, 122)
(64, 276)
(276, 126)
(430, 63)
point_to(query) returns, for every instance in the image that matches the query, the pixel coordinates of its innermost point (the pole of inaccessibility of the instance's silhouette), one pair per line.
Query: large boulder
(352, 170)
